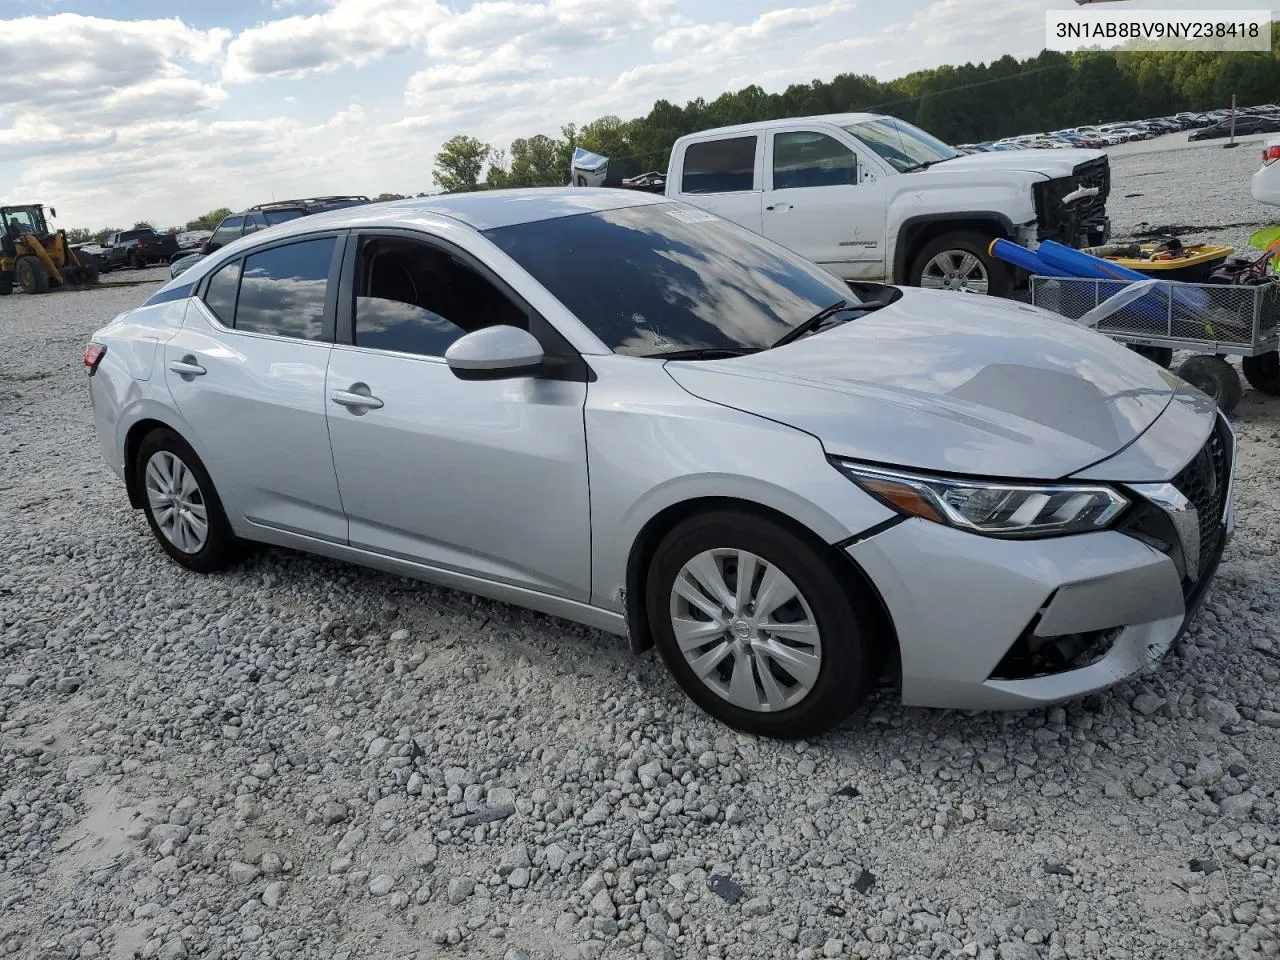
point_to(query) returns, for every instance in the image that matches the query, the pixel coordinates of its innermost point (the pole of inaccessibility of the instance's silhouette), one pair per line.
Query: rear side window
(720, 166)
(282, 216)
(254, 221)
(220, 296)
(283, 290)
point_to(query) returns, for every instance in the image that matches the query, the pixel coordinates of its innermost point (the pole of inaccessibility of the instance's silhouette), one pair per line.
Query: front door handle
(356, 398)
(780, 207)
(187, 367)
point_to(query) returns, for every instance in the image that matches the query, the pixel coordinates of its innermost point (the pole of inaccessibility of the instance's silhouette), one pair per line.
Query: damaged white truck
(871, 197)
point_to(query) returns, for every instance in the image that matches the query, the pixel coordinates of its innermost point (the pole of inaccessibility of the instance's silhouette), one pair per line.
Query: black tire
(7, 281)
(1263, 372)
(851, 653)
(1214, 377)
(1162, 356)
(999, 275)
(221, 548)
(90, 273)
(33, 276)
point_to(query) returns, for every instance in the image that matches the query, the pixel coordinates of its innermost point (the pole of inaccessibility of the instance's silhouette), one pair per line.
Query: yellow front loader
(37, 258)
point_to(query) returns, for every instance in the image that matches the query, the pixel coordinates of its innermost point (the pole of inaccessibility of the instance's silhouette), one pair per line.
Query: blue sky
(120, 110)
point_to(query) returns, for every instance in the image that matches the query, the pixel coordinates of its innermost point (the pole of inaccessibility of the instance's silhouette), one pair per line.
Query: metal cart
(1213, 321)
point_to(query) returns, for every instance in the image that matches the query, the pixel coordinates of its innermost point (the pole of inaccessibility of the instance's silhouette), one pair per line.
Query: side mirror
(495, 353)
(53, 212)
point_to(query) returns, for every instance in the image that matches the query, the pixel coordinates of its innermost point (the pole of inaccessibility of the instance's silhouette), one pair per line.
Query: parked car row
(257, 218)
(1256, 119)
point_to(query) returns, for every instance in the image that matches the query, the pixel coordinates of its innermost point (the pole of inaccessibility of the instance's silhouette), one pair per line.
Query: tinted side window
(254, 221)
(282, 216)
(227, 231)
(413, 298)
(283, 290)
(811, 160)
(720, 166)
(220, 296)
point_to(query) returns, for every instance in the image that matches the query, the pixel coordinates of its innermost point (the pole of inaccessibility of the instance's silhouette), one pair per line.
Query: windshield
(668, 277)
(904, 146)
(24, 221)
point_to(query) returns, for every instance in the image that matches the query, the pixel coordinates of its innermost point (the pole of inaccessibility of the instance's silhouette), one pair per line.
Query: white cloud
(703, 39)
(347, 33)
(554, 25)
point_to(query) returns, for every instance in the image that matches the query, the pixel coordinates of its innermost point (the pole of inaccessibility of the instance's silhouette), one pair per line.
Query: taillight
(1271, 154)
(93, 354)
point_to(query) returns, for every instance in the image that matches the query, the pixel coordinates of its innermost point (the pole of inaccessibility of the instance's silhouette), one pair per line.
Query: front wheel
(33, 276)
(758, 628)
(1214, 377)
(961, 261)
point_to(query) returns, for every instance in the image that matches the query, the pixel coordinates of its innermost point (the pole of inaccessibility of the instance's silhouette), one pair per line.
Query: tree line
(957, 104)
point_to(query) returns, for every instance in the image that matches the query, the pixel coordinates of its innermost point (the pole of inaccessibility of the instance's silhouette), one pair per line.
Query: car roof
(482, 210)
(837, 119)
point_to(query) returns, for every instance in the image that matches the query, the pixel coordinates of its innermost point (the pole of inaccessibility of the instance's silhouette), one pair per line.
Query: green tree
(383, 197)
(460, 162)
(142, 225)
(210, 220)
(538, 161)
(79, 235)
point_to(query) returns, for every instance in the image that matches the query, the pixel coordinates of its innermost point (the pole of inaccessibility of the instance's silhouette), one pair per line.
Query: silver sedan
(630, 413)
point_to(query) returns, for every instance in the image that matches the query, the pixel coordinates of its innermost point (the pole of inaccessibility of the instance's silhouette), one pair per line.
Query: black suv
(269, 214)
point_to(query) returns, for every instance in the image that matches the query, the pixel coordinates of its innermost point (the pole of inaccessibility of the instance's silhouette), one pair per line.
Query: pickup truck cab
(138, 248)
(871, 197)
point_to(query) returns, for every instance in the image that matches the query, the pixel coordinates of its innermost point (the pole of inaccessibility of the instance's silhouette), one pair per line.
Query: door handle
(358, 399)
(187, 367)
(780, 207)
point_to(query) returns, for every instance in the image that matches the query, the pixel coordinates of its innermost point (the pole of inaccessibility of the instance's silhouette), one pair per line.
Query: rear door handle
(358, 399)
(187, 367)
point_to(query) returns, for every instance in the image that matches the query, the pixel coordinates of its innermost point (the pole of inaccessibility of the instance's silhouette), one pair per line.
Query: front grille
(1204, 482)
(1093, 173)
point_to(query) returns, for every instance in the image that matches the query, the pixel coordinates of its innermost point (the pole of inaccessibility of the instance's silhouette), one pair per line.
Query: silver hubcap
(955, 270)
(746, 630)
(176, 502)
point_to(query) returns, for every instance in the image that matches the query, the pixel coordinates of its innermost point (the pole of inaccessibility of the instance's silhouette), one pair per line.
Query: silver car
(630, 413)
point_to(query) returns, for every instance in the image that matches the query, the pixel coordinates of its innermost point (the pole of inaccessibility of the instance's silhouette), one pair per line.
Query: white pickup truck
(871, 197)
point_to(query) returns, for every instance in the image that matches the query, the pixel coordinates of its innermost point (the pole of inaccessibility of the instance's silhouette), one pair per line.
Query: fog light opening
(1032, 656)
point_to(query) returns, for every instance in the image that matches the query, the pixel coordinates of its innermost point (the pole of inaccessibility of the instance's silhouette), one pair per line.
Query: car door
(722, 176)
(247, 373)
(818, 204)
(483, 478)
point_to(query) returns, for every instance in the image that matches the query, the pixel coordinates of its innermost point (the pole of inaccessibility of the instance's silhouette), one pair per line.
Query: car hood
(1050, 162)
(949, 382)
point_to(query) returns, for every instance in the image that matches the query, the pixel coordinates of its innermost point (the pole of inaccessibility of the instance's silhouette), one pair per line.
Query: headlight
(996, 509)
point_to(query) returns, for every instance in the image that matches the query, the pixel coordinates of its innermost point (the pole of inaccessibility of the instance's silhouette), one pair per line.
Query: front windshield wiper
(703, 353)
(924, 164)
(823, 319)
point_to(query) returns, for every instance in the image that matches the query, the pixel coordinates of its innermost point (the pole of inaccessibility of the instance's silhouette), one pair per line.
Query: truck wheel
(32, 275)
(1215, 378)
(960, 261)
(1262, 372)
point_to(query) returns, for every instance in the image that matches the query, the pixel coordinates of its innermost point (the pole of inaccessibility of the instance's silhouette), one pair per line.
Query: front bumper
(974, 614)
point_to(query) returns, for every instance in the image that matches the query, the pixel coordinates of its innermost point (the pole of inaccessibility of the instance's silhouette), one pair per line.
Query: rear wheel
(1263, 372)
(758, 628)
(33, 277)
(181, 504)
(1214, 377)
(961, 261)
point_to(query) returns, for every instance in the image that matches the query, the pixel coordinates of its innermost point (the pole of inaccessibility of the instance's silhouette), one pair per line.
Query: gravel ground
(301, 759)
